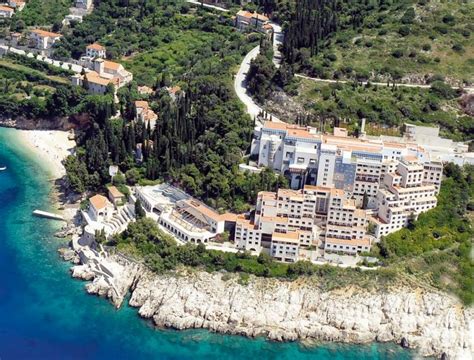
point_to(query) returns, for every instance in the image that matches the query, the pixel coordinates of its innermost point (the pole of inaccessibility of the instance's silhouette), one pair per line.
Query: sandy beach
(50, 146)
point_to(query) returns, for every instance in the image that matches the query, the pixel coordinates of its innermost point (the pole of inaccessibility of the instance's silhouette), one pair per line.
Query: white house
(18, 5)
(43, 40)
(145, 114)
(6, 12)
(95, 51)
(100, 208)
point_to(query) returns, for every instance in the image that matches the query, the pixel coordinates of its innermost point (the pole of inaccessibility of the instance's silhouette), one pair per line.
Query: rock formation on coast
(433, 323)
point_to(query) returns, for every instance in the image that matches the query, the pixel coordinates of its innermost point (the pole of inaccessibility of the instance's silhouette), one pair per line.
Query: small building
(115, 196)
(15, 38)
(95, 51)
(110, 69)
(145, 90)
(245, 20)
(18, 5)
(83, 4)
(175, 92)
(69, 19)
(6, 12)
(43, 40)
(145, 114)
(94, 83)
(100, 208)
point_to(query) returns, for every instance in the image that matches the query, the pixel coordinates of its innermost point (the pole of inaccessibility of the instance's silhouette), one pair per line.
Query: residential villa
(145, 90)
(104, 73)
(175, 92)
(246, 20)
(6, 12)
(43, 40)
(144, 113)
(95, 51)
(18, 5)
(104, 215)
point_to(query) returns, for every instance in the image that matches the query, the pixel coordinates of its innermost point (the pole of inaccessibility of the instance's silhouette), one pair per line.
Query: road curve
(240, 86)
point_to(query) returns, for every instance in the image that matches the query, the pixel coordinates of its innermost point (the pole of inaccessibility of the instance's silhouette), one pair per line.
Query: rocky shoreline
(434, 324)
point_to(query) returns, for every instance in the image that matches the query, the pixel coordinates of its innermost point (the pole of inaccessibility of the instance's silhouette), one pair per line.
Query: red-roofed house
(247, 20)
(100, 208)
(145, 114)
(18, 5)
(6, 12)
(42, 39)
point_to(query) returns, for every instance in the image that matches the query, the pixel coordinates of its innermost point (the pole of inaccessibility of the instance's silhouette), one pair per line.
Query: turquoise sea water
(44, 314)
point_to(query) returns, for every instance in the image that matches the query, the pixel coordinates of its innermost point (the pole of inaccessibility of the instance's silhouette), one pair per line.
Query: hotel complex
(346, 193)
(184, 217)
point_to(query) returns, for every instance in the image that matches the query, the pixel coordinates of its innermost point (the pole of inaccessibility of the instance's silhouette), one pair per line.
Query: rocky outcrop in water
(433, 323)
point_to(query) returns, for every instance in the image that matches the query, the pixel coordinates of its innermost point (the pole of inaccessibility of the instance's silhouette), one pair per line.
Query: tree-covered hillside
(411, 40)
(202, 135)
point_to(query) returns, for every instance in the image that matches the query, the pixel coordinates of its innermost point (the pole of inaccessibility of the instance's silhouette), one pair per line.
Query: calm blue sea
(44, 314)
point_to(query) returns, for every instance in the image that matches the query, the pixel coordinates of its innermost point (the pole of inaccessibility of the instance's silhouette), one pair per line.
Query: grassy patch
(43, 12)
(411, 39)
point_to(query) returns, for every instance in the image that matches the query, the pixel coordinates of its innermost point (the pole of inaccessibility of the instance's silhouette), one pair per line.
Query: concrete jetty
(48, 215)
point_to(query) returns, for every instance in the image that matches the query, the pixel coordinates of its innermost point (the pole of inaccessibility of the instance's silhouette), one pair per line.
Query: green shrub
(397, 53)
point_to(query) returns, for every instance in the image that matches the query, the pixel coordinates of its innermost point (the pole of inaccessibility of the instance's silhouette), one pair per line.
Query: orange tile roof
(353, 242)
(44, 33)
(242, 221)
(145, 90)
(229, 217)
(288, 192)
(267, 195)
(95, 78)
(203, 209)
(98, 201)
(249, 15)
(410, 158)
(6, 8)
(300, 133)
(289, 237)
(141, 104)
(275, 125)
(111, 65)
(174, 89)
(95, 46)
(115, 192)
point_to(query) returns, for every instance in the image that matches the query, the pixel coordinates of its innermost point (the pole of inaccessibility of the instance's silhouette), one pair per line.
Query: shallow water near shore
(45, 314)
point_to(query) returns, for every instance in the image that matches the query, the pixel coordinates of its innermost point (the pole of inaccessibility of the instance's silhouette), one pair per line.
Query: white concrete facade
(186, 218)
(290, 220)
(405, 194)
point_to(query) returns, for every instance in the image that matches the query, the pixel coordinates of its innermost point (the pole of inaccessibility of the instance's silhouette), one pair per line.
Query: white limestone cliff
(433, 323)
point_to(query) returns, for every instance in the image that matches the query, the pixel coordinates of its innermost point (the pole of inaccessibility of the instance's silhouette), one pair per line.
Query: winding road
(253, 109)
(420, 86)
(209, 6)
